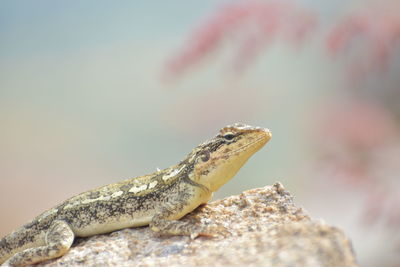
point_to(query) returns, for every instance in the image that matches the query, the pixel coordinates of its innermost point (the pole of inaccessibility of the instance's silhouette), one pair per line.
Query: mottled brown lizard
(159, 200)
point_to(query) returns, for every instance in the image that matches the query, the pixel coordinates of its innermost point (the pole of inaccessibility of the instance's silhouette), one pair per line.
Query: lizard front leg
(59, 239)
(165, 221)
(161, 224)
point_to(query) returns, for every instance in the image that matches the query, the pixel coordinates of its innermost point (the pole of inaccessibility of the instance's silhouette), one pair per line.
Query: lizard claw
(202, 231)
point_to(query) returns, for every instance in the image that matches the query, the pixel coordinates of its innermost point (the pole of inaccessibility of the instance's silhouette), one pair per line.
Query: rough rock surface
(260, 227)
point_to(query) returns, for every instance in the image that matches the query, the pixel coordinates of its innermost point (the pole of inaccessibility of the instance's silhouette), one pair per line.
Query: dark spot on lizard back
(94, 195)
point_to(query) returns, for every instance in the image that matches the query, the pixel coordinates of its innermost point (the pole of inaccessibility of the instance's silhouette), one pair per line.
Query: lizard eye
(205, 156)
(229, 136)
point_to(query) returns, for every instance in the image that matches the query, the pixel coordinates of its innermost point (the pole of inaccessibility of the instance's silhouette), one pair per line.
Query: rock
(260, 227)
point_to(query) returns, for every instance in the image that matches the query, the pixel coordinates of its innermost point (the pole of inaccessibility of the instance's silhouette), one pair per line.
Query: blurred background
(92, 92)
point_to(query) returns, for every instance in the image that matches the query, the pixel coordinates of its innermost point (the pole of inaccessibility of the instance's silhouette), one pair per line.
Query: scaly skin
(158, 200)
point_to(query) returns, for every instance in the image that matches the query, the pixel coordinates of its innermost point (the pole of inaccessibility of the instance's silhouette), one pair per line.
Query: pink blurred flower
(360, 147)
(372, 38)
(360, 124)
(251, 24)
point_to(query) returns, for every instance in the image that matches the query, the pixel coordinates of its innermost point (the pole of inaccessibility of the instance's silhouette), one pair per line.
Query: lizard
(158, 200)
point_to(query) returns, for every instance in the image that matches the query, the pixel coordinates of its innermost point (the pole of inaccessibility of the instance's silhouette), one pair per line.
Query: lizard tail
(17, 241)
(5, 249)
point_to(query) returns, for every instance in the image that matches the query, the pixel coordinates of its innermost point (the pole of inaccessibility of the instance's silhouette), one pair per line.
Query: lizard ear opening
(205, 156)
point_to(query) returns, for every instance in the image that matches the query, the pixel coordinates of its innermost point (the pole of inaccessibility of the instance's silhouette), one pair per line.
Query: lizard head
(216, 161)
